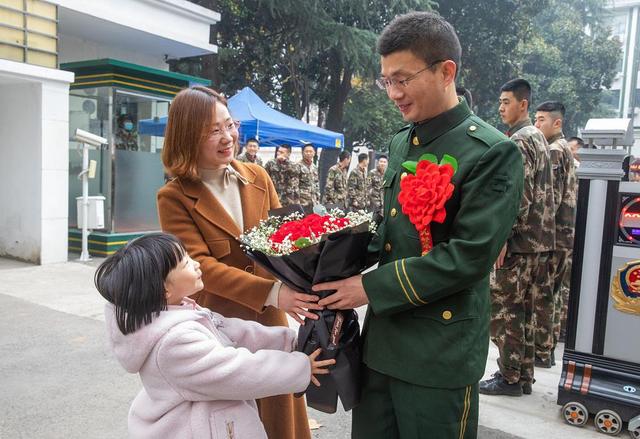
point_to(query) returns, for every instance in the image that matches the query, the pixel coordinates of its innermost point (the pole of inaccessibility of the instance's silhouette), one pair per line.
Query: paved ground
(59, 380)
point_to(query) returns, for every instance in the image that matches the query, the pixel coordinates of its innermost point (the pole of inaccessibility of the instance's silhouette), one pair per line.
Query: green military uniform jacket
(428, 317)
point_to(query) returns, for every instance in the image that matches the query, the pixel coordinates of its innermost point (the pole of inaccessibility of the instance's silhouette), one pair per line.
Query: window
(29, 32)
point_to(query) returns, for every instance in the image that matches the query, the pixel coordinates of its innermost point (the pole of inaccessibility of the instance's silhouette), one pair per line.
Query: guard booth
(601, 363)
(124, 103)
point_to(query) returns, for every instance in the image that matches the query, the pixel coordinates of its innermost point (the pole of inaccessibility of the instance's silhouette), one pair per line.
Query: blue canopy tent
(153, 127)
(258, 120)
(273, 128)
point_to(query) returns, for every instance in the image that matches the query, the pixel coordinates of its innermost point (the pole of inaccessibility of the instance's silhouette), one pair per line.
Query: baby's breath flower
(259, 237)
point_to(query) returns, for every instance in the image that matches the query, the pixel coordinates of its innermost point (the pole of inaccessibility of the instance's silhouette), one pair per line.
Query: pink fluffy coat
(201, 372)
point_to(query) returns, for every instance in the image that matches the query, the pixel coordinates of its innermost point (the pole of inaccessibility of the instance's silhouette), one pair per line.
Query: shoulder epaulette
(479, 129)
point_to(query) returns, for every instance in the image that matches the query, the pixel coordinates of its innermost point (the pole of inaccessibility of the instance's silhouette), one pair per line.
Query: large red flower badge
(424, 193)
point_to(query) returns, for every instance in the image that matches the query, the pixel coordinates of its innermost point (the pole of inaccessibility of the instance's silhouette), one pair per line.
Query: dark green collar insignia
(430, 130)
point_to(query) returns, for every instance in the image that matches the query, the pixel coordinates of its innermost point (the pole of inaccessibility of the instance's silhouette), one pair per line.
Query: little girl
(200, 371)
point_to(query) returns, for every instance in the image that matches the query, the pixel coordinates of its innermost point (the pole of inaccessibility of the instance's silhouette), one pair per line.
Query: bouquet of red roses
(302, 251)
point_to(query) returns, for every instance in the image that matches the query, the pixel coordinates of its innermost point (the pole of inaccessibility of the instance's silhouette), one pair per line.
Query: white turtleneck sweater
(224, 184)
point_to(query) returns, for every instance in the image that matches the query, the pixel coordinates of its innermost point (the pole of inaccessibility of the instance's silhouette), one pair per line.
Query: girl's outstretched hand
(319, 367)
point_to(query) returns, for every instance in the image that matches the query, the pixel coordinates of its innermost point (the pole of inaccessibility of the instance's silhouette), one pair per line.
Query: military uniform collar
(519, 125)
(555, 137)
(426, 132)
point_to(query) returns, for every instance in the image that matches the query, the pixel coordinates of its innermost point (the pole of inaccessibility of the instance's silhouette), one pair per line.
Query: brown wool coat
(233, 285)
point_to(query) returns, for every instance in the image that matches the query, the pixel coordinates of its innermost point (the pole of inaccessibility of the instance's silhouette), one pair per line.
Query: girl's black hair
(133, 278)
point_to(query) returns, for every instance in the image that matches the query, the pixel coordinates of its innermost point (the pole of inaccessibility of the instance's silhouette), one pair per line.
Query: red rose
(423, 195)
(310, 225)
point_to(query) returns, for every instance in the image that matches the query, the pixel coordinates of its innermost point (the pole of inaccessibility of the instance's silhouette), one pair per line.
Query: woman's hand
(319, 367)
(297, 304)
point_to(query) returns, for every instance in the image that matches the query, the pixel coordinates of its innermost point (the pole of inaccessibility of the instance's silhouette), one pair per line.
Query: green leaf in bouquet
(302, 242)
(410, 166)
(430, 157)
(447, 159)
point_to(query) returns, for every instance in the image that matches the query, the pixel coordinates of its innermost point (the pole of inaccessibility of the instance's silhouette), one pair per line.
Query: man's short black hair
(285, 146)
(308, 144)
(520, 88)
(426, 35)
(362, 157)
(344, 155)
(133, 278)
(383, 156)
(252, 140)
(552, 107)
(578, 140)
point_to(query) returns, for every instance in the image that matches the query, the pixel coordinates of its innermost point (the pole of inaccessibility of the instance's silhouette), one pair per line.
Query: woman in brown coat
(212, 200)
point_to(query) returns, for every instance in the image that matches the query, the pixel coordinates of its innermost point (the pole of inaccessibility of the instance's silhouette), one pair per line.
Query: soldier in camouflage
(357, 188)
(519, 270)
(375, 185)
(284, 175)
(549, 117)
(308, 183)
(335, 190)
(250, 154)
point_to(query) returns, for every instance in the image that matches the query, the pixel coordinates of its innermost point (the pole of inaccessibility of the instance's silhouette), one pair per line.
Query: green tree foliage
(370, 117)
(489, 32)
(543, 41)
(564, 63)
(297, 52)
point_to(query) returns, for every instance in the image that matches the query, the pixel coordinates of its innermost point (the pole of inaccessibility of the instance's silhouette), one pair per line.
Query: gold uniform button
(403, 175)
(387, 247)
(447, 315)
(472, 128)
(415, 141)
(394, 212)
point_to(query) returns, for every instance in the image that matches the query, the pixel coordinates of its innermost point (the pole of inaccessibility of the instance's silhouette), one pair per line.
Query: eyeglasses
(231, 127)
(386, 83)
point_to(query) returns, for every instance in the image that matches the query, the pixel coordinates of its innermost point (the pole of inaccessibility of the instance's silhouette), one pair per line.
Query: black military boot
(527, 386)
(499, 386)
(546, 364)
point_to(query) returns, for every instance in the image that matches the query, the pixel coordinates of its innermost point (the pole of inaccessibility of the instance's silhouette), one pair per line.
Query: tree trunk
(341, 86)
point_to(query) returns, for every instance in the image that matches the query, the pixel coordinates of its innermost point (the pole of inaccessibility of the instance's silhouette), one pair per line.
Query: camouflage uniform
(245, 158)
(516, 283)
(375, 191)
(357, 189)
(549, 301)
(335, 190)
(285, 176)
(308, 185)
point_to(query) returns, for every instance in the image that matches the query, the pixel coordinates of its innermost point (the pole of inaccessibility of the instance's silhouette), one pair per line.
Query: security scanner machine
(601, 362)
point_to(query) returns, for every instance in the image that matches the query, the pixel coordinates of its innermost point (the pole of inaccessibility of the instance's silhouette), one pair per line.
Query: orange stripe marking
(571, 370)
(586, 379)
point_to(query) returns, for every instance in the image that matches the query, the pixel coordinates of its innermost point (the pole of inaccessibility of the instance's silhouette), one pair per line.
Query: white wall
(55, 172)
(20, 164)
(34, 162)
(72, 49)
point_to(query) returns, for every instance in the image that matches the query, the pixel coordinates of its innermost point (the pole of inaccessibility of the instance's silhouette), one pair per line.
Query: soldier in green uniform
(521, 269)
(308, 183)
(375, 185)
(250, 154)
(357, 188)
(335, 189)
(285, 175)
(549, 117)
(426, 333)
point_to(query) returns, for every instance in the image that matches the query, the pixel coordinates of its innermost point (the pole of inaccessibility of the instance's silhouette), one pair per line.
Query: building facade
(36, 147)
